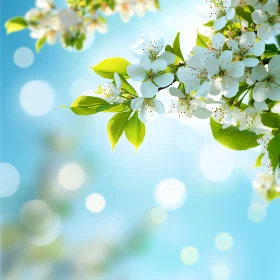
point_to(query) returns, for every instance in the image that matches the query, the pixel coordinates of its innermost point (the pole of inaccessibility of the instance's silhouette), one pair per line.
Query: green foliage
(259, 160)
(233, 138)
(79, 42)
(272, 194)
(108, 67)
(177, 47)
(157, 5)
(202, 40)
(274, 151)
(89, 105)
(40, 43)
(127, 87)
(270, 51)
(245, 13)
(135, 131)
(15, 24)
(116, 127)
(271, 120)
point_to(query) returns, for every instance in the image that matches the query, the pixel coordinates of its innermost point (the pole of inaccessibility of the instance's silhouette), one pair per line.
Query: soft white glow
(95, 203)
(158, 215)
(82, 86)
(71, 176)
(257, 213)
(36, 215)
(37, 98)
(186, 142)
(23, 57)
(201, 127)
(189, 255)
(216, 162)
(9, 179)
(221, 272)
(224, 241)
(47, 236)
(170, 194)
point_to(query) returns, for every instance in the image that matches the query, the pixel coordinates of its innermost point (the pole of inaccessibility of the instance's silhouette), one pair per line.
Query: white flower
(195, 76)
(276, 108)
(270, 6)
(187, 106)
(125, 9)
(44, 4)
(151, 74)
(95, 23)
(268, 24)
(250, 118)
(214, 50)
(152, 48)
(263, 183)
(149, 108)
(224, 73)
(245, 47)
(68, 18)
(219, 10)
(109, 91)
(269, 81)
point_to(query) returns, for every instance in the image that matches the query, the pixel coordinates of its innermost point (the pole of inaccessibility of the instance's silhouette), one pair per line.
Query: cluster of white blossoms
(231, 76)
(77, 21)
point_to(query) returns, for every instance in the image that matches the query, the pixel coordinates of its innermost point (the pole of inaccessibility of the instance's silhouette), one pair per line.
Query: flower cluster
(74, 23)
(231, 77)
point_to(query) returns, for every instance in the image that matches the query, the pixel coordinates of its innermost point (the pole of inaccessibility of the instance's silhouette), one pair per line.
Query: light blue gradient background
(126, 178)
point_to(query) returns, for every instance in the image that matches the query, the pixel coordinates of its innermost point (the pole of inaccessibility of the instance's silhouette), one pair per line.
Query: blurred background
(180, 208)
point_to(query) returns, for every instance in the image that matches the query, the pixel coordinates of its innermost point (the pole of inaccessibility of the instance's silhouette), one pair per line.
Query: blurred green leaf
(274, 151)
(15, 24)
(40, 43)
(177, 47)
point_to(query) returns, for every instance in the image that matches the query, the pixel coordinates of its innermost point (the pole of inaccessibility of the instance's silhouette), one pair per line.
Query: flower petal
(176, 92)
(250, 62)
(203, 90)
(220, 23)
(260, 92)
(148, 89)
(159, 65)
(230, 14)
(202, 113)
(248, 39)
(168, 57)
(146, 63)
(164, 80)
(274, 92)
(212, 66)
(137, 103)
(225, 59)
(260, 106)
(218, 41)
(236, 69)
(229, 87)
(274, 66)
(117, 80)
(258, 48)
(265, 31)
(215, 86)
(259, 73)
(159, 108)
(136, 72)
(259, 16)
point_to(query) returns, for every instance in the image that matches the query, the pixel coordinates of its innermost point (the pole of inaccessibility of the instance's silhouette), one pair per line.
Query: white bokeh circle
(221, 271)
(158, 215)
(95, 203)
(223, 241)
(170, 194)
(23, 57)
(216, 162)
(71, 176)
(189, 255)
(9, 179)
(257, 212)
(37, 98)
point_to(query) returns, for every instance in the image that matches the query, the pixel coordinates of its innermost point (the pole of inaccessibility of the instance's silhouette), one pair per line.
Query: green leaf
(135, 131)
(270, 51)
(272, 194)
(259, 160)
(202, 41)
(177, 47)
(271, 120)
(244, 13)
(209, 23)
(168, 48)
(108, 67)
(274, 151)
(116, 127)
(89, 105)
(117, 108)
(233, 138)
(157, 5)
(15, 24)
(126, 86)
(79, 43)
(40, 43)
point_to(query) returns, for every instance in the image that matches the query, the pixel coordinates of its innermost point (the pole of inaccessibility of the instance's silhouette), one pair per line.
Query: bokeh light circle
(36, 215)
(216, 162)
(23, 57)
(37, 98)
(95, 203)
(170, 194)
(158, 215)
(71, 176)
(189, 255)
(9, 179)
(257, 213)
(223, 241)
(221, 272)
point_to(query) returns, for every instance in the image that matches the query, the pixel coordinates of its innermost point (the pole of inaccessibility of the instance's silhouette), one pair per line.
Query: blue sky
(128, 179)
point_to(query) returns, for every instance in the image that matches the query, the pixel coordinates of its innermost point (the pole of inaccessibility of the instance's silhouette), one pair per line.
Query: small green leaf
(126, 86)
(271, 120)
(168, 48)
(233, 138)
(272, 194)
(108, 67)
(244, 13)
(157, 5)
(135, 131)
(202, 41)
(259, 160)
(15, 24)
(274, 151)
(270, 51)
(40, 43)
(177, 47)
(117, 108)
(209, 23)
(116, 127)
(89, 105)
(79, 43)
